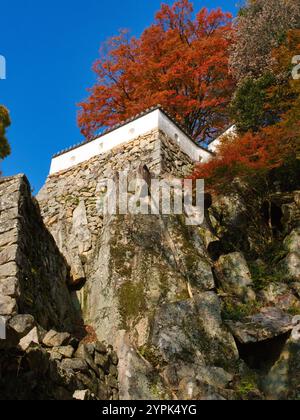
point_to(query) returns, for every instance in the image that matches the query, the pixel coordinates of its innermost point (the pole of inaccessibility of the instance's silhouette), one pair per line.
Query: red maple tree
(252, 155)
(180, 62)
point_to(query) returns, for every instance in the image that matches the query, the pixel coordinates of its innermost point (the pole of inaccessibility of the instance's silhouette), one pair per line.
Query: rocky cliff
(181, 309)
(192, 311)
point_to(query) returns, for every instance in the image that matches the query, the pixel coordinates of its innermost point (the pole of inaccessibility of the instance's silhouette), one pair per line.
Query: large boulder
(56, 339)
(234, 275)
(281, 295)
(22, 324)
(8, 306)
(291, 262)
(138, 379)
(190, 334)
(282, 382)
(268, 323)
(30, 339)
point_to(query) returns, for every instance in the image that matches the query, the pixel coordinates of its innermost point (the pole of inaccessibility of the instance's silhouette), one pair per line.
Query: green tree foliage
(248, 106)
(4, 123)
(263, 93)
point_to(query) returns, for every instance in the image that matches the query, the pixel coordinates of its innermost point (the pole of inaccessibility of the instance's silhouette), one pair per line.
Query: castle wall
(69, 200)
(152, 121)
(33, 274)
(138, 278)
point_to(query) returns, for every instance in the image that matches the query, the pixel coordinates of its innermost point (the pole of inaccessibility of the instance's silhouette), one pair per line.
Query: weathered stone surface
(292, 241)
(100, 347)
(8, 305)
(148, 284)
(198, 332)
(77, 365)
(31, 338)
(230, 210)
(193, 389)
(65, 351)
(8, 270)
(8, 254)
(37, 373)
(84, 395)
(22, 324)
(103, 361)
(82, 352)
(136, 375)
(31, 268)
(214, 376)
(10, 287)
(292, 260)
(56, 339)
(281, 296)
(282, 382)
(80, 228)
(234, 275)
(137, 265)
(55, 355)
(268, 323)
(114, 358)
(292, 265)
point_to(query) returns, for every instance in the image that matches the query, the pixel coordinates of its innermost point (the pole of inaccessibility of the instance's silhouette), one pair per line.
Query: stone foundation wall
(69, 200)
(33, 273)
(38, 362)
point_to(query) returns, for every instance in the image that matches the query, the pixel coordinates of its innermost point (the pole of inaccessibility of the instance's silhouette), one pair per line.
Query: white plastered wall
(213, 146)
(139, 127)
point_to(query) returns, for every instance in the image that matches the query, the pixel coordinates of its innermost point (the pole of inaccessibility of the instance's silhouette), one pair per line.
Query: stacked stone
(33, 273)
(9, 223)
(54, 365)
(174, 160)
(70, 199)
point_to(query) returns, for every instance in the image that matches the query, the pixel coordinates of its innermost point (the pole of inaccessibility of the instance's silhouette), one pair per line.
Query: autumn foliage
(180, 62)
(4, 123)
(254, 154)
(250, 155)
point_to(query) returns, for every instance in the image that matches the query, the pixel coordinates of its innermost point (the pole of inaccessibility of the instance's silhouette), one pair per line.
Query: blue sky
(49, 48)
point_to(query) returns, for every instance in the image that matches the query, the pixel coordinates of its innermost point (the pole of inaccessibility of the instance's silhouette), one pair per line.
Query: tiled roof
(122, 124)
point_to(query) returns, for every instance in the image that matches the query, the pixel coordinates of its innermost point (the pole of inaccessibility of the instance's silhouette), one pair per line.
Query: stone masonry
(39, 358)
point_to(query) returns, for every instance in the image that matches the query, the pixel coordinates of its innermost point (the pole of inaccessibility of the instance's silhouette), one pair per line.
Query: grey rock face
(135, 374)
(234, 275)
(148, 286)
(268, 323)
(281, 295)
(282, 382)
(77, 365)
(140, 271)
(55, 339)
(192, 331)
(22, 324)
(8, 305)
(31, 338)
(10, 287)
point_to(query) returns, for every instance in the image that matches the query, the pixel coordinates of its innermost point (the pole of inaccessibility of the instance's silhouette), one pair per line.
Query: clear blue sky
(49, 48)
